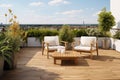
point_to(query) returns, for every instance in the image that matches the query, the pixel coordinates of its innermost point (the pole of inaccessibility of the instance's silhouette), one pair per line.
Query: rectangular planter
(117, 45)
(33, 42)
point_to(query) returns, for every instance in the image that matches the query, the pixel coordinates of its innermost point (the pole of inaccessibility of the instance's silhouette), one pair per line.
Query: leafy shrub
(66, 34)
(40, 33)
(80, 32)
(117, 35)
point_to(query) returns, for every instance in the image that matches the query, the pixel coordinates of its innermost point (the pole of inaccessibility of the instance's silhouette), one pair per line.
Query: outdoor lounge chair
(87, 44)
(51, 43)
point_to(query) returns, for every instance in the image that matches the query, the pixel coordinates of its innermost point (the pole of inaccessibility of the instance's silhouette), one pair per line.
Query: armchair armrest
(47, 44)
(43, 47)
(64, 43)
(94, 45)
(73, 45)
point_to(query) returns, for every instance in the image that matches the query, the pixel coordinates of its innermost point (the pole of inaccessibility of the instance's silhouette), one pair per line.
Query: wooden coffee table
(66, 56)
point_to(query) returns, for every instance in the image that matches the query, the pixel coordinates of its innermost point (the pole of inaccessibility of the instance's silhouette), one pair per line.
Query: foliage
(106, 21)
(66, 34)
(23, 36)
(5, 49)
(40, 33)
(79, 32)
(13, 36)
(117, 35)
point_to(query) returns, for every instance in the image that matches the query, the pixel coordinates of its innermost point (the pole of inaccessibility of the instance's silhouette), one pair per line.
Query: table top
(66, 54)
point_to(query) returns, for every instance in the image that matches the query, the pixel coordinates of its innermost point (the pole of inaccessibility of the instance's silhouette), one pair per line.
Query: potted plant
(66, 35)
(106, 22)
(13, 40)
(5, 52)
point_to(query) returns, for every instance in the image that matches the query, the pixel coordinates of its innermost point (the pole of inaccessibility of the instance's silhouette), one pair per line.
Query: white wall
(115, 9)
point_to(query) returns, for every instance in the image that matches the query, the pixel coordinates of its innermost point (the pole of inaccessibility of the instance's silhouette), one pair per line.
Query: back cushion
(52, 40)
(86, 40)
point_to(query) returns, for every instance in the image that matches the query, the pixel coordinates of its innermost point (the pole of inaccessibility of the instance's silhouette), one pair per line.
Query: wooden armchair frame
(47, 47)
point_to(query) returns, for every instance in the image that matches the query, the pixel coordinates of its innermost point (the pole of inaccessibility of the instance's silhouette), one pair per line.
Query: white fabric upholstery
(86, 40)
(86, 48)
(52, 40)
(54, 47)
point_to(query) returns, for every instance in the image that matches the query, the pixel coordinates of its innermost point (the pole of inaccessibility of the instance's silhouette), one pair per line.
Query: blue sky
(54, 11)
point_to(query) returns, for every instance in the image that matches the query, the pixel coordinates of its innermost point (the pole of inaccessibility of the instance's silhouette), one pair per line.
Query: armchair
(87, 44)
(51, 43)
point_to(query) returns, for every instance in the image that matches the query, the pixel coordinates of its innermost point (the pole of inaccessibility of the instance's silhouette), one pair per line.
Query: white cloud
(36, 4)
(57, 2)
(66, 2)
(96, 13)
(71, 12)
(5, 5)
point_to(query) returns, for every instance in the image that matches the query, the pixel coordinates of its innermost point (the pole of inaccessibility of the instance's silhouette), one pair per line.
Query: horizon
(54, 11)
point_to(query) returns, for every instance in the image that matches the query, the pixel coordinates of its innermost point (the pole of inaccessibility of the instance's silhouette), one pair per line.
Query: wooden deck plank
(32, 65)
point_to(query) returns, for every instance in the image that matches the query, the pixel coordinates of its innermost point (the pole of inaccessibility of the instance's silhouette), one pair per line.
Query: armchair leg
(91, 56)
(80, 52)
(97, 53)
(47, 54)
(42, 51)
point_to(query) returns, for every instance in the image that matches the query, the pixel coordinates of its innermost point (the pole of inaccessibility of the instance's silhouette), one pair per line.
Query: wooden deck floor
(33, 66)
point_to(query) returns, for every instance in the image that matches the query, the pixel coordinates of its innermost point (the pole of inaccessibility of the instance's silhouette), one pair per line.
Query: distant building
(55, 26)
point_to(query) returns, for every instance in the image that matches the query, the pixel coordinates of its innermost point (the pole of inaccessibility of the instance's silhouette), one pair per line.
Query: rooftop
(32, 65)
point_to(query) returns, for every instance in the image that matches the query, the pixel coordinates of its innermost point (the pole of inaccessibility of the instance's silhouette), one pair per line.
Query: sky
(53, 11)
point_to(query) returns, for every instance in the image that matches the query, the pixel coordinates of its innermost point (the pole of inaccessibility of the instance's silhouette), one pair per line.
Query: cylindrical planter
(13, 62)
(69, 46)
(1, 65)
(106, 44)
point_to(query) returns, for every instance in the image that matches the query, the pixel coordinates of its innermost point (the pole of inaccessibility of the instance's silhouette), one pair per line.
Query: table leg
(76, 61)
(54, 61)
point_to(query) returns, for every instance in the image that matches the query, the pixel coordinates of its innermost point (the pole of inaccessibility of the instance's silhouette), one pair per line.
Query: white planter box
(117, 45)
(33, 42)
(112, 43)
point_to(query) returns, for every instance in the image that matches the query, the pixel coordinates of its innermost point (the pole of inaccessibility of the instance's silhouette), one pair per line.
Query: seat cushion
(85, 48)
(54, 47)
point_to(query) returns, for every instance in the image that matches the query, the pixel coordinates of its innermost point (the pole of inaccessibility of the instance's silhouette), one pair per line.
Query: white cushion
(87, 40)
(52, 40)
(54, 47)
(86, 48)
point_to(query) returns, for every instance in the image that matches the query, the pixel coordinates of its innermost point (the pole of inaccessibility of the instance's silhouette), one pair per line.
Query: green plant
(66, 34)
(5, 49)
(79, 32)
(117, 35)
(40, 33)
(13, 36)
(106, 21)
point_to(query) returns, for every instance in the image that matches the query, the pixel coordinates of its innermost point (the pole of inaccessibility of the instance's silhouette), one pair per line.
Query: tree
(106, 21)
(66, 35)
